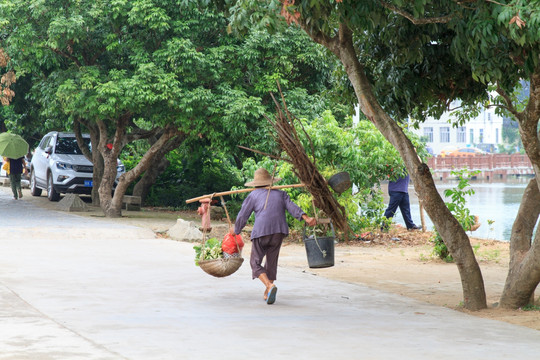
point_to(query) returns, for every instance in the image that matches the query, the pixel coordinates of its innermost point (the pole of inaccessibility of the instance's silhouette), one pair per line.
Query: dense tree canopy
(128, 70)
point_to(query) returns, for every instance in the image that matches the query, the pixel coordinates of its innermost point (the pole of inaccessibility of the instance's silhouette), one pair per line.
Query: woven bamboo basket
(221, 267)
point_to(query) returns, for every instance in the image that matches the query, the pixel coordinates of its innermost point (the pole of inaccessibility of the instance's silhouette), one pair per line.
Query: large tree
(416, 57)
(499, 46)
(501, 43)
(256, 62)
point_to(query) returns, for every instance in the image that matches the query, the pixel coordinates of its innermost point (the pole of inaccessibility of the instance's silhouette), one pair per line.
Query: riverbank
(400, 262)
(496, 203)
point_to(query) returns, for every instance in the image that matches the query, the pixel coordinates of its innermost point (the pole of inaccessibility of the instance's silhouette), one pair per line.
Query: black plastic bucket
(319, 250)
(340, 182)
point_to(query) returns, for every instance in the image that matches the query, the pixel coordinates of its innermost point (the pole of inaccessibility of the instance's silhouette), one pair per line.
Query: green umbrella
(12, 146)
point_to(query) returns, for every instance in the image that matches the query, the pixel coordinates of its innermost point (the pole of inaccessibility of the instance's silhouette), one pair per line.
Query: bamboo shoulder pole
(242, 191)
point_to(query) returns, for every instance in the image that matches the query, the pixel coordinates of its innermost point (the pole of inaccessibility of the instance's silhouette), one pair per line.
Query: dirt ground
(399, 261)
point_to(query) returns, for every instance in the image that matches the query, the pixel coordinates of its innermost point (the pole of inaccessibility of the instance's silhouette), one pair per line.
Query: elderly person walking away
(270, 228)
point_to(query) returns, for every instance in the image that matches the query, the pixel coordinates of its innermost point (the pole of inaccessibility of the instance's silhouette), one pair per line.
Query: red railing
(490, 165)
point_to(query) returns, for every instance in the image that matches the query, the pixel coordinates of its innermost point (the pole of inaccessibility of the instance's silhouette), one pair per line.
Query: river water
(495, 201)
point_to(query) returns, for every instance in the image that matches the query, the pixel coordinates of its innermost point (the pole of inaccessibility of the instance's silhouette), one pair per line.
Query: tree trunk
(452, 233)
(142, 188)
(110, 156)
(93, 156)
(523, 274)
(108, 205)
(524, 270)
(112, 205)
(149, 157)
(99, 168)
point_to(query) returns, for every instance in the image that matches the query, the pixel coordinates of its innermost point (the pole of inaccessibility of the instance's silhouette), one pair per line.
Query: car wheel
(34, 190)
(52, 195)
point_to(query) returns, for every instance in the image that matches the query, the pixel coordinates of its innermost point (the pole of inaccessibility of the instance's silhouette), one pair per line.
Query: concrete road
(75, 287)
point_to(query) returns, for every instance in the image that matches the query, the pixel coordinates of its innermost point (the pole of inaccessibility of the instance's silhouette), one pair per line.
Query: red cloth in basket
(228, 244)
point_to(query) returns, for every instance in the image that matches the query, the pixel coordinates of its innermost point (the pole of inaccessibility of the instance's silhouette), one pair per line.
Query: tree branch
(95, 56)
(102, 130)
(411, 18)
(509, 104)
(533, 107)
(119, 140)
(498, 3)
(138, 134)
(320, 37)
(80, 141)
(67, 56)
(263, 153)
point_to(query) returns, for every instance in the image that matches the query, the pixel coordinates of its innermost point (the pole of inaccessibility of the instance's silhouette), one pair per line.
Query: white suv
(59, 166)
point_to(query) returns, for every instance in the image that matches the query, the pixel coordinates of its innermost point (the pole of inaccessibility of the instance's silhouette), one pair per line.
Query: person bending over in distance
(399, 197)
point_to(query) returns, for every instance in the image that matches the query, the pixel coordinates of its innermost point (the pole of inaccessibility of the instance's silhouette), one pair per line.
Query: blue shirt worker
(269, 229)
(399, 197)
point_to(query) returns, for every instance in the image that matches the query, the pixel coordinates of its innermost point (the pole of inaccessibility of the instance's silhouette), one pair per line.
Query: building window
(461, 134)
(428, 133)
(445, 134)
(496, 136)
(481, 136)
(471, 136)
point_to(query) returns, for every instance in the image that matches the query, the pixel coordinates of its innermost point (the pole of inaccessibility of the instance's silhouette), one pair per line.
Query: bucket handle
(322, 221)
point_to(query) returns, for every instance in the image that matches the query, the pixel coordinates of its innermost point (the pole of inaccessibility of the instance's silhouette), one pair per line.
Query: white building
(484, 132)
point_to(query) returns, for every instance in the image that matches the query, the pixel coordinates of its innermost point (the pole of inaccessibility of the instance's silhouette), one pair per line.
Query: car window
(51, 142)
(68, 145)
(43, 144)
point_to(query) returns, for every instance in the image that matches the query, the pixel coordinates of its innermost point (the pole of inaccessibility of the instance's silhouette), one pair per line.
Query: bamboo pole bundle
(305, 169)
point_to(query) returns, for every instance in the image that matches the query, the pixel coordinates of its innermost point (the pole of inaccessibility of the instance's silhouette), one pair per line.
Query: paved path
(74, 287)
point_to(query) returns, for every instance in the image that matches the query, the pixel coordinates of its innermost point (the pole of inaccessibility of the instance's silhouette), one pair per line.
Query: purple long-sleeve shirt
(271, 220)
(400, 185)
